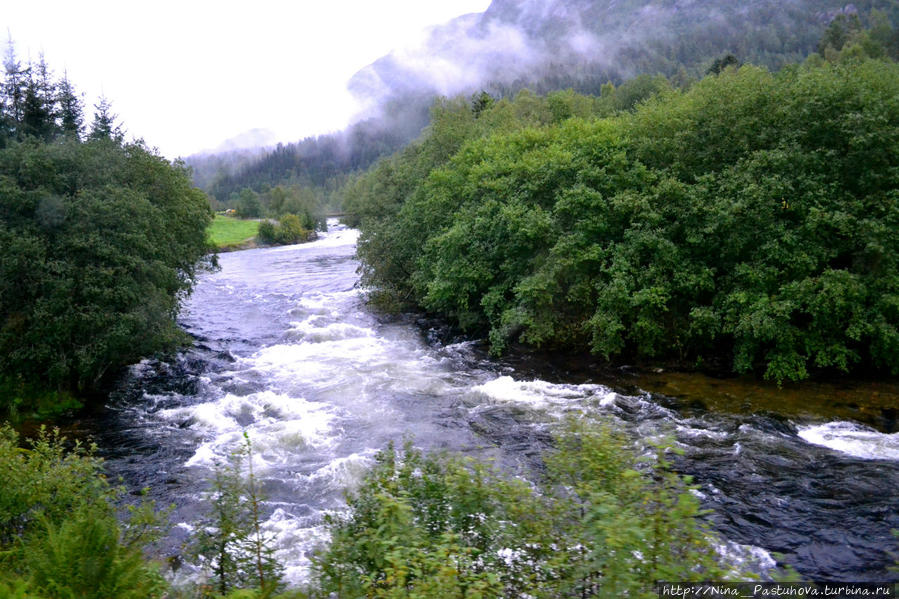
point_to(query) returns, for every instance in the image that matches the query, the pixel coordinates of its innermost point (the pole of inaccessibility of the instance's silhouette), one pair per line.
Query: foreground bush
(231, 546)
(60, 536)
(602, 523)
(442, 526)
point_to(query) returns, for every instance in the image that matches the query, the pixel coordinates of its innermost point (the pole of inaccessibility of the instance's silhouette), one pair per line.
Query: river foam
(853, 439)
(541, 394)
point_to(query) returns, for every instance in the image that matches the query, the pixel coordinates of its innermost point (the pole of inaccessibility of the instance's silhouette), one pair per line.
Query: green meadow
(227, 231)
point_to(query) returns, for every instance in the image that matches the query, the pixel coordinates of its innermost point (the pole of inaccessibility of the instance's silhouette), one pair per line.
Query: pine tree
(232, 540)
(104, 125)
(480, 103)
(38, 109)
(14, 90)
(71, 111)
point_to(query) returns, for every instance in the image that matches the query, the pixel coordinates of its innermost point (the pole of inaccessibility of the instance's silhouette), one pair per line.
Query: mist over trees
(319, 164)
(99, 241)
(547, 46)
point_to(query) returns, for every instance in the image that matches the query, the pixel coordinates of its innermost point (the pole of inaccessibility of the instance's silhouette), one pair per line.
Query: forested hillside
(748, 222)
(99, 241)
(320, 164)
(546, 46)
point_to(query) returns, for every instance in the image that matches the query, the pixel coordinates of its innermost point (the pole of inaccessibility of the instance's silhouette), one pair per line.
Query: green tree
(481, 102)
(248, 205)
(232, 542)
(71, 111)
(723, 62)
(99, 242)
(14, 91)
(104, 124)
(839, 32)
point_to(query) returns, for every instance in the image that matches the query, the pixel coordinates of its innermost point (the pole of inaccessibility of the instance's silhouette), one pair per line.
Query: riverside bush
(99, 243)
(749, 221)
(289, 230)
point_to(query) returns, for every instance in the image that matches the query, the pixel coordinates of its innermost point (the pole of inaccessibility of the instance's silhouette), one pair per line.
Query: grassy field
(227, 231)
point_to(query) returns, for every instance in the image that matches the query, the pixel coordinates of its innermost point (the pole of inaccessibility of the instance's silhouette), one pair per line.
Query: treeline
(599, 522)
(317, 165)
(37, 106)
(99, 241)
(747, 222)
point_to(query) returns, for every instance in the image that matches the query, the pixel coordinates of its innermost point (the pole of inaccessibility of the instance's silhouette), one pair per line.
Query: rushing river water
(287, 351)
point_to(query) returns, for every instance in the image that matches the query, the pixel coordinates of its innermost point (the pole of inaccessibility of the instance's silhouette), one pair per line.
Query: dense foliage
(440, 526)
(99, 242)
(675, 38)
(60, 535)
(752, 217)
(290, 229)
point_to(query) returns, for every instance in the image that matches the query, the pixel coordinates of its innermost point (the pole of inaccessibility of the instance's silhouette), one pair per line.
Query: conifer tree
(237, 549)
(38, 110)
(71, 110)
(104, 125)
(14, 90)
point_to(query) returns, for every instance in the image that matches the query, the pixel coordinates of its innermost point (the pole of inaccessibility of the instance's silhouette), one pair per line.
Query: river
(287, 350)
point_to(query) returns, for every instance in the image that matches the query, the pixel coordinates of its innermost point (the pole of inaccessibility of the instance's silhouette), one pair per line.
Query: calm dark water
(287, 351)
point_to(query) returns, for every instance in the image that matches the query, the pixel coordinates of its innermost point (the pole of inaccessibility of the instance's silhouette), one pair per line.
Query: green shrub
(266, 233)
(442, 526)
(290, 229)
(85, 556)
(60, 537)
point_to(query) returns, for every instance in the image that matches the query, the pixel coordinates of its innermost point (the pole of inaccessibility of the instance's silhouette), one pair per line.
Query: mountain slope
(543, 45)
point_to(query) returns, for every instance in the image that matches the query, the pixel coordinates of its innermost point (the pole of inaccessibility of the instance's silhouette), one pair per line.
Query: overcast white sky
(187, 75)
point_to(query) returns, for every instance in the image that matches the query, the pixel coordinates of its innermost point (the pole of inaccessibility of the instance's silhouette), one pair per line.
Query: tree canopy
(99, 242)
(751, 217)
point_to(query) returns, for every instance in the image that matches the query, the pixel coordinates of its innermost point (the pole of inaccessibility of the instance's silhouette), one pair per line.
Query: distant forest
(681, 41)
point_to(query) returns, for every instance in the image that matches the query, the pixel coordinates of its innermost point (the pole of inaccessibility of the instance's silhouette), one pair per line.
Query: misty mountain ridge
(515, 43)
(257, 138)
(543, 45)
